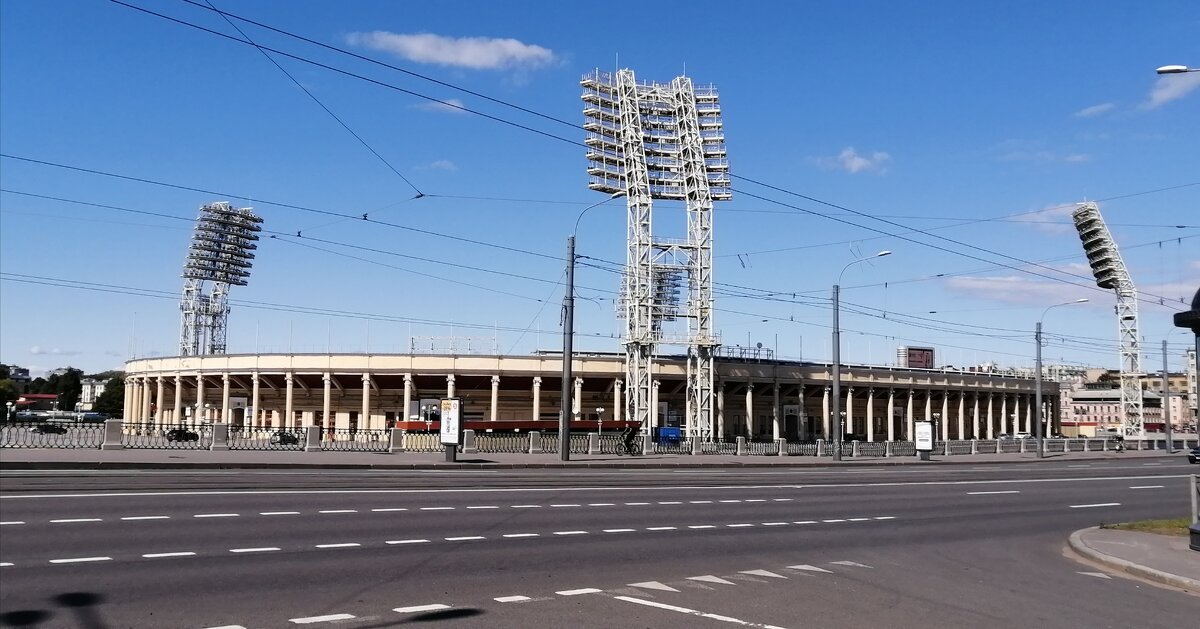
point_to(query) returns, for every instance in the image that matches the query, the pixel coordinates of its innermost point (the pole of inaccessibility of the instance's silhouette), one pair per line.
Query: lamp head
(1172, 69)
(885, 252)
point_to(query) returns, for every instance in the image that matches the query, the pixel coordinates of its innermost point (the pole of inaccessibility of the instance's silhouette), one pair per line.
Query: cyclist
(628, 437)
(1120, 441)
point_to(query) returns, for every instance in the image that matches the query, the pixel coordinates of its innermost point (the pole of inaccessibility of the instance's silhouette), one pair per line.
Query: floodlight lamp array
(223, 244)
(1099, 246)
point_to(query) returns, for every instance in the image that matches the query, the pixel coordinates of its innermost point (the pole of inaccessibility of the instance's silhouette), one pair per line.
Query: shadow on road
(80, 604)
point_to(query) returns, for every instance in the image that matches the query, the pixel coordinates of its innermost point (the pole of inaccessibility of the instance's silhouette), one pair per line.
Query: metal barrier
(1008, 446)
(345, 440)
(31, 434)
(904, 448)
(764, 448)
(673, 446)
(986, 446)
(795, 448)
(1075, 445)
(166, 436)
(1095, 445)
(960, 447)
(430, 442)
(610, 443)
(502, 443)
(1056, 445)
(578, 443)
(241, 438)
(872, 448)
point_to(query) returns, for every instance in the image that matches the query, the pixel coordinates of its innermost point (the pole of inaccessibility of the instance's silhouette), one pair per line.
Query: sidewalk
(1161, 558)
(89, 458)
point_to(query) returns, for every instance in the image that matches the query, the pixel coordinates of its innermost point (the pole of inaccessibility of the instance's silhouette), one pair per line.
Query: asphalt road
(951, 546)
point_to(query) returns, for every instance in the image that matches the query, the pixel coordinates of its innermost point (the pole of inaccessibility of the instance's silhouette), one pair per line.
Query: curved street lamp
(837, 357)
(1037, 337)
(1176, 69)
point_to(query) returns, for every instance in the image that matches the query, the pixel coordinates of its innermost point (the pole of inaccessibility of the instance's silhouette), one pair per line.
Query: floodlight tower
(661, 141)
(1110, 272)
(221, 252)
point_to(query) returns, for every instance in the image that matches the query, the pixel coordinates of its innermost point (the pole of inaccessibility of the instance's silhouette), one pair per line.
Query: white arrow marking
(653, 585)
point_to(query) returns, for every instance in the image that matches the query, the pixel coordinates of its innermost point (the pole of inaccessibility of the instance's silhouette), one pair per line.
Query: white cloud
(1033, 151)
(38, 350)
(850, 161)
(1094, 110)
(444, 164)
(1051, 218)
(1019, 290)
(450, 105)
(1171, 87)
(478, 53)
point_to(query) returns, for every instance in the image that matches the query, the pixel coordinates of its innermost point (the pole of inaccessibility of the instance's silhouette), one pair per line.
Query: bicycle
(632, 448)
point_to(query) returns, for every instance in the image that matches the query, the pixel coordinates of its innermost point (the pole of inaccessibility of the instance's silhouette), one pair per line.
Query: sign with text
(924, 436)
(451, 418)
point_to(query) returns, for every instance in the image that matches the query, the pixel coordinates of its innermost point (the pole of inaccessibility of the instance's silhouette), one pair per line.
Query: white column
(945, 415)
(657, 421)
(618, 401)
(495, 398)
(750, 409)
(1003, 413)
(287, 402)
(891, 414)
(929, 406)
(1029, 401)
(326, 402)
(803, 428)
(849, 408)
(962, 400)
(177, 411)
(256, 399)
(826, 431)
(870, 413)
(910, 435)
(720, 410)
(577, 399)
(776, 430)
(365, 421)
(537, 398)
(158, 402)
(991, 422)
(225, 398)
(199, 415)
(450, 385)
(125, 413)
(408, 391)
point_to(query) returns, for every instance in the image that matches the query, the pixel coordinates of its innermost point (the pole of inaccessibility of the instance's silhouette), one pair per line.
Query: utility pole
(564, 426)
(837, 379)
(1166, 399)
(1040, 432)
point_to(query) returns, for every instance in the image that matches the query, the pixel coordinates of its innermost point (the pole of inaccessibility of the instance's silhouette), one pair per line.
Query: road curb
(1122, 565)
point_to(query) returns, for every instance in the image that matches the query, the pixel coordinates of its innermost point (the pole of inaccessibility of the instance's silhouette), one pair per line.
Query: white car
(1024, 435)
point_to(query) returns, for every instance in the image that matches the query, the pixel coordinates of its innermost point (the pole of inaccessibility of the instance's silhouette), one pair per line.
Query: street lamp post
(837, 358)
(1037, 337)
(1176, 69)
(568, 352)
(600, 420)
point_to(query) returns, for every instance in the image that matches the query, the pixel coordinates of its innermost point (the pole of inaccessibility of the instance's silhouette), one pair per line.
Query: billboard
(915, 357)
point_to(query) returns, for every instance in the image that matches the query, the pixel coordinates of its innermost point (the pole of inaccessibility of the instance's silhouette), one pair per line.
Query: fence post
(887, 448)
(974, 446)
(312, 439)
(782, 443)
(1087, 445)
(112, 435)
(647, 444)
(220, 437)
(946, 444)
(593, 443)
(396, 441)
(535, 442)
(820, 447)
(696, 450)
(741, 446)
(854, 448)
(468, 445)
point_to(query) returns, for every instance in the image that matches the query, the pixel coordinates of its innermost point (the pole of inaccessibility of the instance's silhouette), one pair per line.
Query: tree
(111, 401)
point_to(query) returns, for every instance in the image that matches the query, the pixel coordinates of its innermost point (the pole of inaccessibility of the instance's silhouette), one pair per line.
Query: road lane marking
(511, 599)
(832, 521)
(729, 501)
(527, 506)
(464, 538)
(700, 502)
(702, 526)
(805, 522)
(762, 573)
(579, 591)
(1079, 465)
(437, 508)
(227, 627)
(670, 502)
(81, 559)
(179, 554)
(692, 612)
(756, 500)
(215, 515)
(566, 505)
(388, 509)
(1098, 504)
(521, 535)
(1098, 575)
(854, 564)
(774, 523)
(407, 541)
(146, 517)
(992, 493)
(484, 507)
(653, 585)
(5, 564)
(72, 520)
(661, 528)
(1151, 463)
(601, 504)
(885, 517)
(1147, 487)
(636, 504)
(858, 519)
(339, 545)
(809, 568)
(315, 619)
(738, 526)
(279, 513)
(618, 530)
(709, 578)
(264, 549)
(782, 499)
(570, 532)
(421, 608)
(339, 511)
(11, 522)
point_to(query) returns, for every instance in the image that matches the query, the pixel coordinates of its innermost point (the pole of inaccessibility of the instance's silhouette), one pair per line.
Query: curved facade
(754, 398)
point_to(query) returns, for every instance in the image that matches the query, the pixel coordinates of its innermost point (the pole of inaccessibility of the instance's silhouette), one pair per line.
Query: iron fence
(610, 443)
(801, 449)
(720, 446)
(1075, 445)
(578, 443)
(904, 448)
(167, 436)
(674, 446)
(1055, 445)
(346, 440)
(872, 448)
(960, 447)
(1008, 446)
(241, 438)
(423, 442)
(43, 434)
(502, 443)
(765, 448)
(1096, 444)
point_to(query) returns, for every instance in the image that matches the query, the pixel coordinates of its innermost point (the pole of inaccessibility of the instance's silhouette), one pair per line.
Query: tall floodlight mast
(1110, 272)
(221, 252)
(661, 141)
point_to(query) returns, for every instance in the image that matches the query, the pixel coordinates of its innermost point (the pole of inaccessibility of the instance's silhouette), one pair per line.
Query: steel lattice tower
(221, 252)
(1110, 272)
(661, 141)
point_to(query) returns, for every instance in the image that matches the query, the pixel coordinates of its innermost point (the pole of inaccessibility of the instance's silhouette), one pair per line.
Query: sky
(957, 135)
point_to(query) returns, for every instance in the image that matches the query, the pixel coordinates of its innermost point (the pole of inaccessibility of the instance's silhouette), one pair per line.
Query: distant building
(1097, 411)
(37, 402)
(19, 376)
(91, 389)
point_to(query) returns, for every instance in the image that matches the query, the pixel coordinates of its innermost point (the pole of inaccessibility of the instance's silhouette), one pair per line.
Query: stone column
(870, 413)
(1016, 414)
(450, 385)
(126, 409)
(656, 420)
(177, 410)
(991, 423)
(975, 416)
(848, 407)
(945, 416)
(537, 398)
(146, 399)
(803, 428)
(909, 435)
(750, 409)
(1029, 418)
(365, 422)
(720, 410)
(256, 399)
(326, 401)
(929, 407)
(825, 428)
(1003, 413)
(287, 401)
(891, 414)
(776, 430)
(408, 391)
(225, 398)
(199, 415)
(618, 401)
(962, 401)
(158, 401)
(494, 411)
(577, 400)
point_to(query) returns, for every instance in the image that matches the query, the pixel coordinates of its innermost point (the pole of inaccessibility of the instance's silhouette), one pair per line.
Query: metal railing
(241, 438)
(610, 443)
(764, 448)
(428, 442)
(960, 447)
(344, 440)
(674, 446)
(904, 448)
(168, 436)
(578, 443)
(801, 448)
(45, 434)
(502, 443)
(1008, 446)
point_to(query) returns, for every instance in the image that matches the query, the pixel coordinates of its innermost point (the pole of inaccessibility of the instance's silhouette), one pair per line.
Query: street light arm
(574, 232)
(853, 262)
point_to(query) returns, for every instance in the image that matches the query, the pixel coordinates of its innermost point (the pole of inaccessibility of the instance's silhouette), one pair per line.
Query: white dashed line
(73, 520)
(992, 493)
(81, 560)
(601, 504)
(1099, 504)
(858, 519)
(146, 517)
(702, 526)
(159, 555)
(709, 578)
(279, 513)
(5, 564)
(669, 502)
(1079, 466)
(484, 507)
(774, 523)
(395, 542)
(521, 535)
(339, 511)
(699, 502)
(567, 505)
(755, 500)
(388, 509)
(738, 526)
(421, 608)
(805, 522)
(11, 522)
(437, 508)
(464, 538)
(885, 517)
(315, 619)
(763, 573)
(832, 521)
(579, 591)
(1147, 487)
(729, 501)
(264, 549)
(341, 545)
(636, 504)
(511, 599)
(783, 499)
(527, 506)
(618, 530)
(570, 532)
(215, 515)
(1151, 463)
(692, 612)
(660, 528)
(227, 627)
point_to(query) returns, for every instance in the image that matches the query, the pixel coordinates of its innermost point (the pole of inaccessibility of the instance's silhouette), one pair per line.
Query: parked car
(282, 438)
(1194, 455)
(1024, 435)
(182, 434)
(49, 429)
(1005, 437)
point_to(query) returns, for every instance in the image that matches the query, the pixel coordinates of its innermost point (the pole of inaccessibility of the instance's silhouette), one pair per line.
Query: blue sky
(975, 122)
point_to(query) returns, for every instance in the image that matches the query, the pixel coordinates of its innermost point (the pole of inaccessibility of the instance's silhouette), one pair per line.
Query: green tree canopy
(111, 401)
